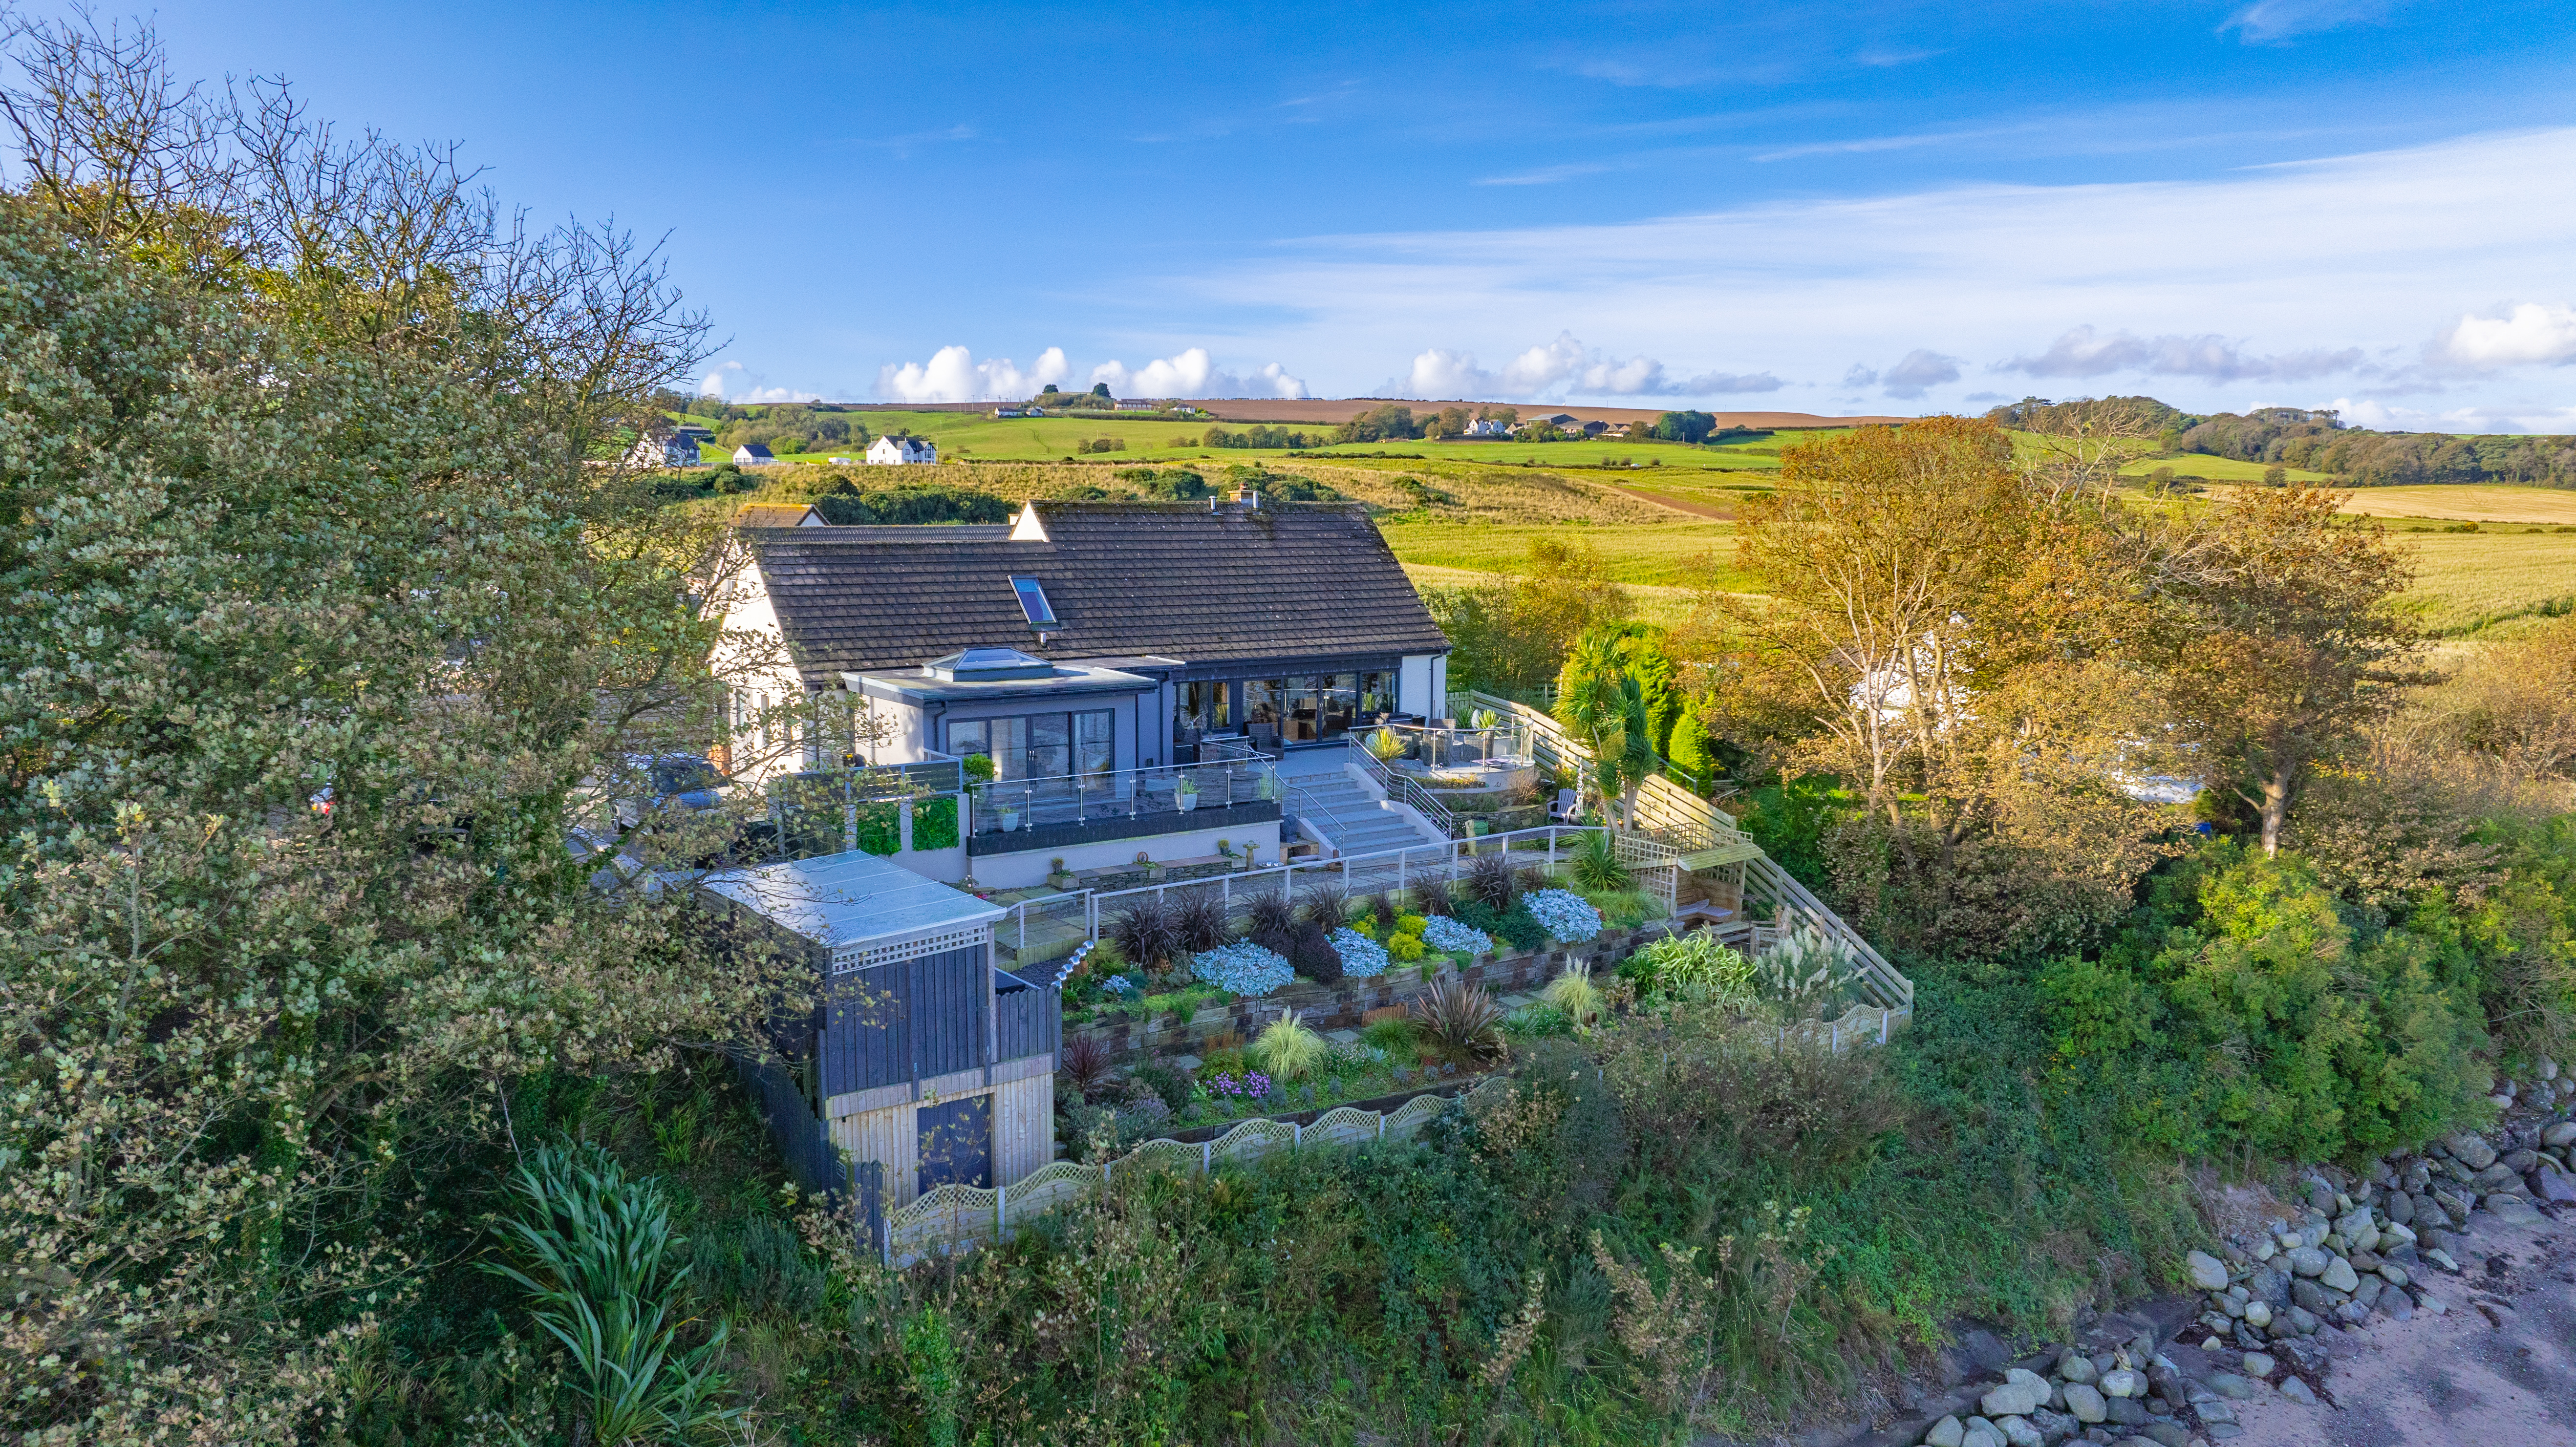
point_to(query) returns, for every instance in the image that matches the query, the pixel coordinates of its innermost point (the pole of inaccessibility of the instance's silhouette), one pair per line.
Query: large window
(1264, 699)
(1203, 705)
(1040, 745)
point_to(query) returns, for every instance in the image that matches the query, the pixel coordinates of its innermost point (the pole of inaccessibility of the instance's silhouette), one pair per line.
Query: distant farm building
(891, 451)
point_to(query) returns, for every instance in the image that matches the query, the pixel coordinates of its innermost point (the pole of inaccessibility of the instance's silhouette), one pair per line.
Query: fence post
(1001, 1212)
(1207, 1157)
(1297, 1136)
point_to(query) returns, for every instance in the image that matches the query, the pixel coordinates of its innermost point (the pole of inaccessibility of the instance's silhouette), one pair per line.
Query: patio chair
(1562, 811)
(1265, 739)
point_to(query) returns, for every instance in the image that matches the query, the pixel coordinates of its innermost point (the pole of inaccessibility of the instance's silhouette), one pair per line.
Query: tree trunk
(2275, 806)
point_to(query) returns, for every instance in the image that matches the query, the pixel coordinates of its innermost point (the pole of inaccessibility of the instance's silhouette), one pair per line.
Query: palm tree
(1601, 703)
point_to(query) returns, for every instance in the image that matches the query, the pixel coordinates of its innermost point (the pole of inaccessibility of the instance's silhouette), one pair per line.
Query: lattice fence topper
(945, 1218)
(1254, 1139)
(887, 952)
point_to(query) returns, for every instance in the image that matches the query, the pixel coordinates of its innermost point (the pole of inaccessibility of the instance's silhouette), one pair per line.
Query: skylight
(1033, 602)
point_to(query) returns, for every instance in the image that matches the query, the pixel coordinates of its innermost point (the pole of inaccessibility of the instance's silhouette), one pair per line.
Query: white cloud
(2372, 412)
(1190, 373)
(1563, 368)
(953, 375)
(1919, 371)
(2085, 352)
(729, 382)
(2530, 334)
(2345, 251)
(2280, 19)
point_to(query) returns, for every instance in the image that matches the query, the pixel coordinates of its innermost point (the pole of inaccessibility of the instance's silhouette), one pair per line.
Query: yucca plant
(1462, 1018)
(1287, 1049)
(1198, 922)
(595, 1253)
(1272, 922)
(1596, 864)
(1323, 907)
(1147, 932)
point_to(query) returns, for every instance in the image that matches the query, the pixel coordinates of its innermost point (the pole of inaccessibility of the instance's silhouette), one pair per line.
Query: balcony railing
(1169, 796)
(1437, 748)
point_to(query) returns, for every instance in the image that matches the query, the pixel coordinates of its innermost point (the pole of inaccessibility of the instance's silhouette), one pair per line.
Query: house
(1121, 666)
(663, 450)
(1487, 429)
(1009, 412)
(754, 454)
(1561, 420)
(923, 1054)
(697, 433)
(892, 450)
(1597, 428)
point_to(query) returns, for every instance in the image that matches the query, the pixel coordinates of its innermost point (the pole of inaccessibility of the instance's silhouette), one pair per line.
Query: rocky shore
(2273, 1306)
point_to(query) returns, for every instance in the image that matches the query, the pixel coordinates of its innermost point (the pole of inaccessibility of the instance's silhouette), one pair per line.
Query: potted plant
(1010, 817)
(1185, 793)
(1268, 789)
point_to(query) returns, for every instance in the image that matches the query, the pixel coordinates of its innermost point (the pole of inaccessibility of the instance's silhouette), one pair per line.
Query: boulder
(2367, 1294)
(2394, 1235)
(2231, 1386)
(2561, 1134)
(1948, 1432)
(2393, 1274)
(2514, 1211)
(2208, 1273)
(2311, 1296)
(2303, 1321)
(2358, 1231)
(2167, 1434)
(2012, 1399)
(2469, 1150)
(2024, 1377)
(2552, 1186)
(2338, 1276)
(2258, 1313)
(2270, 1286)
(2519, 1160)
(2309, 1261)
(2401, 1207)
(2055, 1426)
(2297, 1391)
(2019, 1432)
(1982, 1433)
(2125, 1411)
(2259, 1365)
(2497, 1177)
(2077, 1367)
(2443, 1259)
(2123, 1382)
(2083, 1403)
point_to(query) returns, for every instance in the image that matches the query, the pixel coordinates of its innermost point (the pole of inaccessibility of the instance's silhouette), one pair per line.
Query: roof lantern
(981, 665)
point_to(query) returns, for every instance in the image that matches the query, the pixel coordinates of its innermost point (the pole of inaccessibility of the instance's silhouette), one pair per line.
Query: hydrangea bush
(1242, 968)
(1443, 933)
(1361, 955)
(1569, 917)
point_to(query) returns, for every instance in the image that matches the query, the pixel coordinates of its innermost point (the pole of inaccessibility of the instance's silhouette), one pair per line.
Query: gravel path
(2498, 1369)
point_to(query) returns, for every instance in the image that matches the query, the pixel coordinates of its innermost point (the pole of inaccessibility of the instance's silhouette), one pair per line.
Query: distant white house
(1126, 406)
(895, 450)
(663, 450)
(754, 454)
(841, 460)
(1486, 427)
(1009, 412)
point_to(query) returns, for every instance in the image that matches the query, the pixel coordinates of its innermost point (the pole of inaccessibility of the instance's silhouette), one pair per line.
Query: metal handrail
(1403, 789)
(1115, 793)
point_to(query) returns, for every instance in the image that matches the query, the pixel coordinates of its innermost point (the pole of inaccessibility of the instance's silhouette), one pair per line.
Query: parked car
(673, 781)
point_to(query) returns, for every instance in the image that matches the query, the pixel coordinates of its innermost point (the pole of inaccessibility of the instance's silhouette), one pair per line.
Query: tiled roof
(770, 515)
(1168, 579)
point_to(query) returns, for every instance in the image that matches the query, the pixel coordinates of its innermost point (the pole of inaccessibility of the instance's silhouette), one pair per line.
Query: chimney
(1244, 494)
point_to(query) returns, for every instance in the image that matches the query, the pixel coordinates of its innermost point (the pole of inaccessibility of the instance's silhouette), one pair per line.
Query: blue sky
(1841, 209)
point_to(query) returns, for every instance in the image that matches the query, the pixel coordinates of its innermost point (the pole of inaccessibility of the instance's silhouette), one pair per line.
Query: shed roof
(839, 900)
(1168, 580)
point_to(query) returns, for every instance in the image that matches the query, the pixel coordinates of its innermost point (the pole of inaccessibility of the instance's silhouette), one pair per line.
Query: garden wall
(1132, 1041)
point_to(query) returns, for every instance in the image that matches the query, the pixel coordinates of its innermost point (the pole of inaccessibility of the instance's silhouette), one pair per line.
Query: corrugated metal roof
(840, 900)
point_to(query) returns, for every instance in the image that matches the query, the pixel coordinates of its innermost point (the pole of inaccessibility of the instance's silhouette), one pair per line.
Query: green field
(975, 436)
(1680, 554)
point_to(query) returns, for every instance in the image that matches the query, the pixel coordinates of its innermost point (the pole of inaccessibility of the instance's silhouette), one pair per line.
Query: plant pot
(1010, 820)
(1185, 802)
